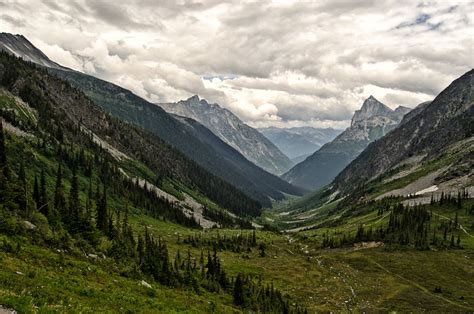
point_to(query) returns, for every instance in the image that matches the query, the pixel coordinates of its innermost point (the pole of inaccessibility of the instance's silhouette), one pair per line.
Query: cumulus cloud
(272, 62)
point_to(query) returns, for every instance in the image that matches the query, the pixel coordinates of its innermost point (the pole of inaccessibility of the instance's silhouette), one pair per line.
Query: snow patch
(430, 189)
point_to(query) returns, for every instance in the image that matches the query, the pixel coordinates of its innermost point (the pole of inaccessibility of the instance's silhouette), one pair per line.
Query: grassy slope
(323, 280)
(379, 279)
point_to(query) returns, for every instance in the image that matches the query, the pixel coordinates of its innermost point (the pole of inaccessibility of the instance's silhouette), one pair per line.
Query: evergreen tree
(43, 195)
(59, 197)
(3, 153)
(23, 199)
(36, 193)
(238, 292)
(102, 215)
(74, 203)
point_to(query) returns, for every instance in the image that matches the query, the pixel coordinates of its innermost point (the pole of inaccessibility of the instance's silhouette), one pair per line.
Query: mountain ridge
(368, 124)
(447, 119)
(296, 142)
(133, 109)
(229, 128)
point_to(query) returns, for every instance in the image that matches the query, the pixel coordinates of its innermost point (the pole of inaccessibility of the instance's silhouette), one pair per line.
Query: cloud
(281, 63)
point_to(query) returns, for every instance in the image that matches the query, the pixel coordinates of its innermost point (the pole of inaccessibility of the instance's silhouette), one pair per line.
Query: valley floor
(368, 278)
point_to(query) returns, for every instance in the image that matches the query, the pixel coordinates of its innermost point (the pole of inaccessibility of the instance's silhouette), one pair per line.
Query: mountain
(19, 46)
(59, 116)
(368, 124)
(422, 136)
(229, 128)
(207, 150)
(427, 160)
(299, 142)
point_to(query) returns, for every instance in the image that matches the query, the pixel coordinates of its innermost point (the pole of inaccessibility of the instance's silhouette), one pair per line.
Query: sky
(273, 63)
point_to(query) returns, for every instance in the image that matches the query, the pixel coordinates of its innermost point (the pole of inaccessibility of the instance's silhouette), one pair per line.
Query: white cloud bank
(280, 63)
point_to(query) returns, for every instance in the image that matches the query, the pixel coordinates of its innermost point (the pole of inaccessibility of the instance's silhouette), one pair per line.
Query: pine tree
(74, 203)
(43, 195)
(59, 197)
(102, 215)
(238, 292)
(3, 153)
(23, 199)
(36, 193)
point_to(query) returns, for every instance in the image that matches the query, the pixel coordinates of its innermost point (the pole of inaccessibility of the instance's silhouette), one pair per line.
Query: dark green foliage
(3, 155)
(260, 298)
(225, 220)
(407, 226)
(43, 195)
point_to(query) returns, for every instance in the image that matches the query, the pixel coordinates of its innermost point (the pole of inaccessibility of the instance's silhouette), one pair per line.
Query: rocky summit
(233, 131)
(368, 124)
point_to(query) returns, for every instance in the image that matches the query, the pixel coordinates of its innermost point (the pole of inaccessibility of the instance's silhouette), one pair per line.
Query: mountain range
(368, 124)
(192, 139)
(230, 129)
(434, 131)
(299, 142)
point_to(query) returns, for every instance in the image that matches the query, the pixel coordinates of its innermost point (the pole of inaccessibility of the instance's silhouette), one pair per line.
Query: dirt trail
(460, 226)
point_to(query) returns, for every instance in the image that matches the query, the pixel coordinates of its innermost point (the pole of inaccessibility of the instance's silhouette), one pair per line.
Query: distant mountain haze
(299, 142)
(368, 124)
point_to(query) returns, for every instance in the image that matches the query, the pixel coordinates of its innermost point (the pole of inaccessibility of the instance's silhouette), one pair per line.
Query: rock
(145, 284)
(4, 310)
(233, 131)
(29, 225)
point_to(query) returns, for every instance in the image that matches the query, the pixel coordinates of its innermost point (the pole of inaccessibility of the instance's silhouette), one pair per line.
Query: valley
(111, 202)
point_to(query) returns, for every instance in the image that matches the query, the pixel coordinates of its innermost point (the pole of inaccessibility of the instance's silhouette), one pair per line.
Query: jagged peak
(193, 98)
(370, 108)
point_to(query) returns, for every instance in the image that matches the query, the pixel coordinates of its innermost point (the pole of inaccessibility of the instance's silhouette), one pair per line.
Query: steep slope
(229, 128)
(65, 109)
(368, 124)
(448, 119)
(128, 107)
(19, 46)
(299, 141)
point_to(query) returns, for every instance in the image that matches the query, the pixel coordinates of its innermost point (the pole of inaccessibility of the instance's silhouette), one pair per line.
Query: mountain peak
(370, 108)
(19, 46)
(193, 98)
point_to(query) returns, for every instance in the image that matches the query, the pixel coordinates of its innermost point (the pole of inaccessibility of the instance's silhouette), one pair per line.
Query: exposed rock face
(233, 131)
(448, 119)
(370, 108)
(19, 46)
(299, 142)
(370, 123)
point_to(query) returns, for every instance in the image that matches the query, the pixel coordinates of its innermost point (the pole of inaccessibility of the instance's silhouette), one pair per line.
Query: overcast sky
(273, 63)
